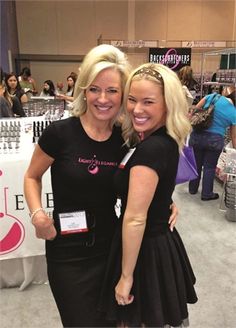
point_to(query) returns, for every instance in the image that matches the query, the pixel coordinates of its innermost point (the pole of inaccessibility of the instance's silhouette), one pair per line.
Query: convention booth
(22, 259)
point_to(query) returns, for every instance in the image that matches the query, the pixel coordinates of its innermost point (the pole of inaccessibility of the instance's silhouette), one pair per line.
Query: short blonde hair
(177, 121)
(98, 59)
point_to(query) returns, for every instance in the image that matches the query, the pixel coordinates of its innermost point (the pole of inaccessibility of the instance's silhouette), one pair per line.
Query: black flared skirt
(163, 283)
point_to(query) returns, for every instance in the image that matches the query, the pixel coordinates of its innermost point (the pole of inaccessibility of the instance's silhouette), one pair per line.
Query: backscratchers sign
(174, 58)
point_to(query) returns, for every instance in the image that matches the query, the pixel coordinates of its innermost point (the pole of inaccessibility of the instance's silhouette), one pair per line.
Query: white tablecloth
(21, 272)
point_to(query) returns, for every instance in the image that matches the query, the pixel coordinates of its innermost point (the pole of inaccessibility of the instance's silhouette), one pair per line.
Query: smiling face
(146, 106)
(104, 95)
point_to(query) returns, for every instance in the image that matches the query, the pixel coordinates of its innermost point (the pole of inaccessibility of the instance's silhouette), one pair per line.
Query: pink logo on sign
(14, 231)
(165, 60)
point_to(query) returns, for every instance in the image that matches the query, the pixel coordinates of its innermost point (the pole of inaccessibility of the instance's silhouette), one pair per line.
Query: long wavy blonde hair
(98, 59)
(177, 122)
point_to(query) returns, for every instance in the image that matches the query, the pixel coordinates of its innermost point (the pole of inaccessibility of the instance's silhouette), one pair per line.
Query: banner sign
(133, 44)
(174, 58)
(204, 44)
(17, 234)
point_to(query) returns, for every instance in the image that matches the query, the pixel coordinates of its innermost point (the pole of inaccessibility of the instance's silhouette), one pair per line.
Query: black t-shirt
(17, 107)
(5, 109)
(19, 93)
(159, 152)
(82, 177)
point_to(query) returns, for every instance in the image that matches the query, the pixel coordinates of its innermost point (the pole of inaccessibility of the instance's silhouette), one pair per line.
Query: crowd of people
(17, 90)
(122, 140)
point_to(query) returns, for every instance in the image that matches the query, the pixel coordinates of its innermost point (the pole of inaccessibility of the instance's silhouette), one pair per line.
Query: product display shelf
(223, 77)
(18, 136)
(228, 169)
(50, 107)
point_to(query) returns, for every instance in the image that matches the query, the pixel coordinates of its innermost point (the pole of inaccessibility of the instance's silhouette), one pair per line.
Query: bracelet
(34, 212)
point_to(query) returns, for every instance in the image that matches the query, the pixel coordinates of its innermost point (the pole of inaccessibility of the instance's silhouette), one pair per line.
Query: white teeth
(102, 108)
(140, 119)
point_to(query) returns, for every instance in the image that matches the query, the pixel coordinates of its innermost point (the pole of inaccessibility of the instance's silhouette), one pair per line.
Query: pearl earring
(85, 98)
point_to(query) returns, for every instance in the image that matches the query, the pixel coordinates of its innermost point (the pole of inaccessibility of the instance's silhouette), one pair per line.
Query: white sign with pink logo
(17, 235)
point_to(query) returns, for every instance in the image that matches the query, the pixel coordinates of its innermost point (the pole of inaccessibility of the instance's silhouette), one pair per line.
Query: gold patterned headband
(151, 72)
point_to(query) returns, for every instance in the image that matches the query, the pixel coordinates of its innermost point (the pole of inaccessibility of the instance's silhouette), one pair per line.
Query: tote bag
(202, 118)
(187, 168)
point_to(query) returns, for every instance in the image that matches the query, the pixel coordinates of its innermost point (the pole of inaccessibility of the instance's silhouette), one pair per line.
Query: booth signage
(133, 43)
(17, 234)
(204, 44)
(174, 58)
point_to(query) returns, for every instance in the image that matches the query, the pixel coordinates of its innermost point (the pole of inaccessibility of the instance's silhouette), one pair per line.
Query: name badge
(73, 222)
(126, 158)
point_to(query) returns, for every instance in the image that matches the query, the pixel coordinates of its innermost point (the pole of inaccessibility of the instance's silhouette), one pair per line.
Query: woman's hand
(173, 218)
(65, 97)
(122, 291)
(61, 96)
(44, 226)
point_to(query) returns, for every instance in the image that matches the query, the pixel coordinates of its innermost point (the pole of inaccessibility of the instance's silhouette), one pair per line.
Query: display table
(22, 259)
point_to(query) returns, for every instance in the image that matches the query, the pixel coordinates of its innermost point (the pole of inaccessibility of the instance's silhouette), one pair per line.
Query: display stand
(230, 197)
(22, 259)
(51, 107)
(228, 200)
(224, 76)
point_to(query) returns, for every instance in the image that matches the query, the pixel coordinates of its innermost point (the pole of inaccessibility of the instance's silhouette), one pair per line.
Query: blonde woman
(83, 153)
(149, 279)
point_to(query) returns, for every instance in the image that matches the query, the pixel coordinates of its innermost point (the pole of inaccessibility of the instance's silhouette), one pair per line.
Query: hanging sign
(204, 44)
(174, 58)
(133, 43)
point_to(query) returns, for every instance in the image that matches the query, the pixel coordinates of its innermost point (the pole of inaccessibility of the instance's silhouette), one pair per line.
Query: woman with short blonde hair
(98, 59)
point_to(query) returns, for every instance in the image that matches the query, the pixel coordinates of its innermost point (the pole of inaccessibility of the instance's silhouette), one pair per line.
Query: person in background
(5, 110)
(208, 144)
(212, 88)
(48, 89)
(2, 74)
(27, 83)
(69, 95)
(188, 95)
(11, 105)
(83, 152)
(74, 75)
(149, 279)
(229, 92)
(59, 89)
(186, 77)
(14, 88)
(4, 107)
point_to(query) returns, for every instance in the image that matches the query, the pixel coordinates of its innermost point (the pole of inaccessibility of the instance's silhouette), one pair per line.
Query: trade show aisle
(211, 244)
